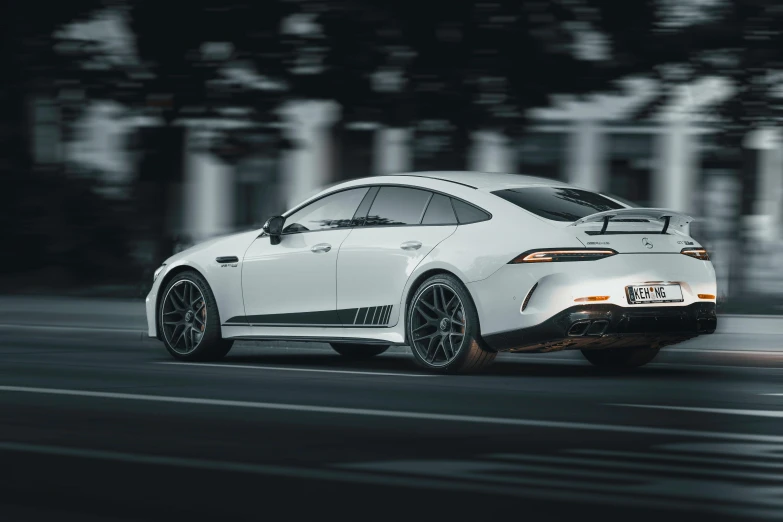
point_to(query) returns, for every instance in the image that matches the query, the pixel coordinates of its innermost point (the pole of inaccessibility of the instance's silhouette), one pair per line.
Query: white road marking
(777, 414)
(637, 468)
(772, 394)
(744, 352)
(71, 328)
(285, 369)
(409, 415)
(637, 456)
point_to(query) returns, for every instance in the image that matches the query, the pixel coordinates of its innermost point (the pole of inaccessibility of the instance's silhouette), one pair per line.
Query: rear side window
(558, 203)
(439, 212)
(397, 206)
(468, 213)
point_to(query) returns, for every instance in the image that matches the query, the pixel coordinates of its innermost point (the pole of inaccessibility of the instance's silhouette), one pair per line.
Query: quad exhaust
(588, 328)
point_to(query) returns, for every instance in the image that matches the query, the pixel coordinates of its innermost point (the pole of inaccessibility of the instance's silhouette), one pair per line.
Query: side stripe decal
(348, 317)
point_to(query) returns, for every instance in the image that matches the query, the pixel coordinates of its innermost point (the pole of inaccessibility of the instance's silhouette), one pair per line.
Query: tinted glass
(335, 211)
(468, 213)
(558, 203)
(397, 206)
(361, 212)
(439, 212)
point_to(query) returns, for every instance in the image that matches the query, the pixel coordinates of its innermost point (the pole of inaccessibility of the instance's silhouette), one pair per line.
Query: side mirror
(274, 227)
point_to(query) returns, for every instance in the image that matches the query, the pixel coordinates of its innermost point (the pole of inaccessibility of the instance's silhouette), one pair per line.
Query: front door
(293, 283)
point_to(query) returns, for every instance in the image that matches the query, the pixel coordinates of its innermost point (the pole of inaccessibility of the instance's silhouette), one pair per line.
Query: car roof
(485, 180)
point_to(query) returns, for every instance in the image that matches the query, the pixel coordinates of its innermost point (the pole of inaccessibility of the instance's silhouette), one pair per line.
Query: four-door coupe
(459, 266)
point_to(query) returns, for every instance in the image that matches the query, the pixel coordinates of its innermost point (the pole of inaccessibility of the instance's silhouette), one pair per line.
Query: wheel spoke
(439, 289)
(431, 353)
(430, 336)
(201, 307)
(425, 303)
(425, 325)
(448, 347)
(424, 314)
(446, 308)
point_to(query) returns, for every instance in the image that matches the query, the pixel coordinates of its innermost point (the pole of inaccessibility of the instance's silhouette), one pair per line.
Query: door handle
(411, 245)
(320, 248)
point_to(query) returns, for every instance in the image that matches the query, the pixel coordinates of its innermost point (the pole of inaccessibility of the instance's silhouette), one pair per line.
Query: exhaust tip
(578, 329)
(598, 328)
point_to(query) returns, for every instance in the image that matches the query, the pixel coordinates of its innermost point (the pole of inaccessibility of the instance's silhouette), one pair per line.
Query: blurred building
(671, 161)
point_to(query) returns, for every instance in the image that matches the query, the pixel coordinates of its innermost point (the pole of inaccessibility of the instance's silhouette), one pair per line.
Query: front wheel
(621, 357)
(189, 321)
(358, 351)
(443, 328)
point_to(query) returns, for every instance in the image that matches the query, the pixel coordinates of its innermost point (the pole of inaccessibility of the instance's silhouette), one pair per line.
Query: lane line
(285, 369)
(776, 414)
(677, 458)
(71, 328)
(409, 415)
(570, 463)
(745, 352)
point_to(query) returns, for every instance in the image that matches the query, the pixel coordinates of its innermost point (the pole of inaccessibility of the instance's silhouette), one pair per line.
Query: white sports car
(459, 266)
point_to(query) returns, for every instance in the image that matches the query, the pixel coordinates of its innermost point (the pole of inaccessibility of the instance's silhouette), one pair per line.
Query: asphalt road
(101, 425)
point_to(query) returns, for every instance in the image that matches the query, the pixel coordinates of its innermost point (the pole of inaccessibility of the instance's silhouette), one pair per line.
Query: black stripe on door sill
(348, 317)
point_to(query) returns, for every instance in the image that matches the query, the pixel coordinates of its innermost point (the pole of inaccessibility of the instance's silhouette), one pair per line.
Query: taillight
(698, 253)
(562, 254)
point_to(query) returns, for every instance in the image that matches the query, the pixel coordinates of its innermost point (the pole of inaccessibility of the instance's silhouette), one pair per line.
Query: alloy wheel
(184, 316)
(437, 325)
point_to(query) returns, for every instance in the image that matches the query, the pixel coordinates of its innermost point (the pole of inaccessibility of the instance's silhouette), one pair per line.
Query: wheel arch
(416, 283)
(163, 283)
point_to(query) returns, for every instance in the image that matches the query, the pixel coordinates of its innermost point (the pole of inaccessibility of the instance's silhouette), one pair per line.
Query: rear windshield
(558, 203)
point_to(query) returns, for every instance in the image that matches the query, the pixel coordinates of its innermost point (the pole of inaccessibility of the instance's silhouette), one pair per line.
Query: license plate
(639, 294)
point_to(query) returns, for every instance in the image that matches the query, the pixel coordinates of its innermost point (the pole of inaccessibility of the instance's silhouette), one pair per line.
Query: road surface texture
(99, 423)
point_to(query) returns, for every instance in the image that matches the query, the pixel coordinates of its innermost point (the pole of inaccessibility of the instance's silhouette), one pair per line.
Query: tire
(621, 357)
(191, 330)
(358, 351)
(434, 317)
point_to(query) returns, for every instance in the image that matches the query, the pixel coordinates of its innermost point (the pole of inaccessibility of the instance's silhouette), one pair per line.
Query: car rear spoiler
(668, 217)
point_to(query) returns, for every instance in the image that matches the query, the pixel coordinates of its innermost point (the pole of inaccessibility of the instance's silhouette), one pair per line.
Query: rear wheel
(621, 357)
(358, 351)
(189, 321)
(443, 328)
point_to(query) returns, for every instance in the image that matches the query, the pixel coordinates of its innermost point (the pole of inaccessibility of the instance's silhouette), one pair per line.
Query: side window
(398, 206)
(439, 212)
(468, 213)
(333, 211)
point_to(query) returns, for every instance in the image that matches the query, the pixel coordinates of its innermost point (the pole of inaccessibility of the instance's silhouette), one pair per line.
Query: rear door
(375, 261)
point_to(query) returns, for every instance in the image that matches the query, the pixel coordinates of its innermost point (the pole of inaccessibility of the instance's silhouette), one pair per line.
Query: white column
(209, 184)
(392, 153)
(491, 153)
(588, 166)
(307, 168)
(769, 185)
(675, 179)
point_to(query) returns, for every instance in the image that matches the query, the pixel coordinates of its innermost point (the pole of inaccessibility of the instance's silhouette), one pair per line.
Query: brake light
(562, 254)
(698, 253)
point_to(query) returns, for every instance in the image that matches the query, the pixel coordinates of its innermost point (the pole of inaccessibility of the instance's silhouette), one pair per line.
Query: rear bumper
(608, 325)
